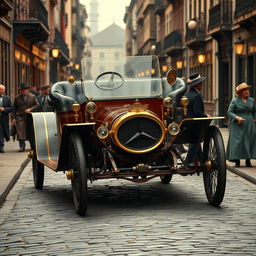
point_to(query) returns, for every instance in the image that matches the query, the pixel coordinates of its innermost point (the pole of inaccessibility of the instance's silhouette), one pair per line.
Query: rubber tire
(217, 177)
(38, 168)
(38, 173)
(166, 178)
(79, 181)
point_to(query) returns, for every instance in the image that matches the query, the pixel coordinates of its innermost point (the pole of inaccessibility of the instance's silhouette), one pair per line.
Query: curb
(242, 174)
(13, 180)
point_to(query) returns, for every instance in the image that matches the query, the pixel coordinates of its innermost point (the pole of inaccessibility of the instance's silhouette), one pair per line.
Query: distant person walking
(43, 99)
(24, 103)
(242, 134)
(5, 109)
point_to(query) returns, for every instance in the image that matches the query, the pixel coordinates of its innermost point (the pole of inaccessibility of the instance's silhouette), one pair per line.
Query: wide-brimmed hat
(194, 79)
(241, 87)
(23, 86)
(45, 86)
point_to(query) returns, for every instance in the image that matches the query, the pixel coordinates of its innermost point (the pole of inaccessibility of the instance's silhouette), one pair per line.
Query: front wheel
(214, 166)
(79, 180)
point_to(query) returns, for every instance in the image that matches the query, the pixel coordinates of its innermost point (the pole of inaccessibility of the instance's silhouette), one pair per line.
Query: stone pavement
(13, 162)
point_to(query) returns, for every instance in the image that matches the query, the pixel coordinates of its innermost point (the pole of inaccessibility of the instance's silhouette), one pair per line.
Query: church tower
(94, 16)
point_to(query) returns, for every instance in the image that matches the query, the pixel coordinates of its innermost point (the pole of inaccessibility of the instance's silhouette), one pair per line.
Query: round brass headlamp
(184, 101)
(168, 102)
(173, 128)
(91, 107)
(102, 132)
(75, 107)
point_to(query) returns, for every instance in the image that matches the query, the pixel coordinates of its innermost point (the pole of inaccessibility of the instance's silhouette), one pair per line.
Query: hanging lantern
(239, 46)
(55, 53)
(201, 58)
(179, 64)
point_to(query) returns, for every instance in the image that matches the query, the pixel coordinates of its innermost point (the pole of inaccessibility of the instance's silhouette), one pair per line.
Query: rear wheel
(214, 166)
(166, 178)
(79, 180)
(38, 168)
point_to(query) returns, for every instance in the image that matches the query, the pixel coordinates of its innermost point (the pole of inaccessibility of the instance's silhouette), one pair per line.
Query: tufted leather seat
(63, 95)
(174, 91)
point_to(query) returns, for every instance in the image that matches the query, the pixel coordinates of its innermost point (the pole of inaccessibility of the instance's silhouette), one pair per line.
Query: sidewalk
(248, 173)
(13, 162)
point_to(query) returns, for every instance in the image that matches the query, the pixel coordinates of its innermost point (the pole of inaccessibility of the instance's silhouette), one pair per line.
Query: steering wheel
(110, 83)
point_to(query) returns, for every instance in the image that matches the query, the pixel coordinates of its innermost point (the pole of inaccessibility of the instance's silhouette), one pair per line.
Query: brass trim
(127, 116)
(31, 154)
(69, 174)
(80, 124)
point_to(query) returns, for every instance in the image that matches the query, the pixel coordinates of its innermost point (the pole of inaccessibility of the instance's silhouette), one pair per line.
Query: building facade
(210, 48)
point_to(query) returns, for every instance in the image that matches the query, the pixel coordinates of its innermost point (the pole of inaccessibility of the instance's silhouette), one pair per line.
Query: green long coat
(241, 141)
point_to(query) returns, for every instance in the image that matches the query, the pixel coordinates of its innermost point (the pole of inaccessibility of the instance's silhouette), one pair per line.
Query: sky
(109, 11)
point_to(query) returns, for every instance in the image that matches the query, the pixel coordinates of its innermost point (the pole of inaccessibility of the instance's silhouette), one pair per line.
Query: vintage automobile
(123, 120)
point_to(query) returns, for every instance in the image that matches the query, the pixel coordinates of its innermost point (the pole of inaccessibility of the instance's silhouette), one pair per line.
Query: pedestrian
(34, 91)
(43, 99)
(5, 109)
(242, 133)
(195, 108)
(24, 103)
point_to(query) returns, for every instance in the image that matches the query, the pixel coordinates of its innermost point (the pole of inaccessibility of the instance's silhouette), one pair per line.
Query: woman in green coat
(242, 134)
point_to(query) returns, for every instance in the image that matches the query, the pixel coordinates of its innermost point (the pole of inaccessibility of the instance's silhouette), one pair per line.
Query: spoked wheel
(214, 166)
(79, 180)
(166, 178)
(38, 168)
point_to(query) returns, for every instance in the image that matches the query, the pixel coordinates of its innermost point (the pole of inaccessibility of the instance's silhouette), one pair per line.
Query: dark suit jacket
(196, 105)
(4, 116)
(44, 107)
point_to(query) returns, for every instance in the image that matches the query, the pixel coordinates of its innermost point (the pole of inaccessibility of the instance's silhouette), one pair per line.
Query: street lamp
(239, 46)
(201, 58)
(55, 53)
(179, 64)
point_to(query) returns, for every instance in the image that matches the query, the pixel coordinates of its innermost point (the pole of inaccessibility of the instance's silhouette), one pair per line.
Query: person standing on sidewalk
(242, 114)
(5, 109)
(24, 103)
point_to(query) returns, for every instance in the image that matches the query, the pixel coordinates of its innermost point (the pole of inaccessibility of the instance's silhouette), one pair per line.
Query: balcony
(244, 7)
(62, 46)
(160, 6)
(173, 42)
(220, 17)
(197, 36)
(5, 7)
(31, 19)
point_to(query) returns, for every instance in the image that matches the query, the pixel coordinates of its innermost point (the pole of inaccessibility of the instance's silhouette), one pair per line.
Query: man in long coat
(195, 109)
(24, 103)
(5, 109)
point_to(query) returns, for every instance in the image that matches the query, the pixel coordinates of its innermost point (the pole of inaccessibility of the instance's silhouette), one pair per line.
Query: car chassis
(131, 130)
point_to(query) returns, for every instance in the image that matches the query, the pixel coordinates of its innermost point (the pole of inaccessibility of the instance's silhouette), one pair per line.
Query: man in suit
(5, 109)
(195, 109)
(24, 103)
(43, 99)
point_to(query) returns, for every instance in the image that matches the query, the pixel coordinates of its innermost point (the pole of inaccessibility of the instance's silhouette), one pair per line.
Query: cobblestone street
(128, 219)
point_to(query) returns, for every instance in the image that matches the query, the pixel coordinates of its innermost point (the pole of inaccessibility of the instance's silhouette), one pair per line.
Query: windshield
(128, 77)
